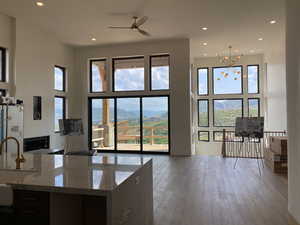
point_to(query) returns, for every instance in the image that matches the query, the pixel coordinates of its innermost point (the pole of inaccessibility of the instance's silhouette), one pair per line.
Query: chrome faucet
(20, 158)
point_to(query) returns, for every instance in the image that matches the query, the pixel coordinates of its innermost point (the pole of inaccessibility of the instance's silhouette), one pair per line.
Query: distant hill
(130, 115)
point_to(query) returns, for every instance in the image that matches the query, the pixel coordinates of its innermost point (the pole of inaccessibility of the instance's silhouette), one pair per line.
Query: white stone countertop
(95, 175)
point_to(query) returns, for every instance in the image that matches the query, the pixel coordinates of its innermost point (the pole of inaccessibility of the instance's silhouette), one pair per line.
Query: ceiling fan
(135, 25)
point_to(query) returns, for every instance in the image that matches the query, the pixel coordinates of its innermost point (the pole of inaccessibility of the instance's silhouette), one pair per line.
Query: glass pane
(253, 79)
(59, 111)
(103, 117)
(203, 113)
(1, 64)
(203, 135)
(253, 105)
(98, 76)
(155, 124)
(128, 124)
(229, 136)
(160, 72)
(227, 80)
(59, 79)
(129, 74)
(203, 81)
(225, 112)
(2, 92)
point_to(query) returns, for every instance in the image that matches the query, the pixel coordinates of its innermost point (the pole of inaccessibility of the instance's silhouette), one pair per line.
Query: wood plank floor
(206, 190)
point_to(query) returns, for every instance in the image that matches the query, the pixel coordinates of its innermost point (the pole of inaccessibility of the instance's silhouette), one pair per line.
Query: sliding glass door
(155, 124)
(130, 124)
(102, 123)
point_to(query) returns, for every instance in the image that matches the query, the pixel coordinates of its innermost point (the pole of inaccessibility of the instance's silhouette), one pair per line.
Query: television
(251, 127)
(70, 127)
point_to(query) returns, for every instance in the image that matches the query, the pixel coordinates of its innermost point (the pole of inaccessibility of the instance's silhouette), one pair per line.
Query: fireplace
(35, 143)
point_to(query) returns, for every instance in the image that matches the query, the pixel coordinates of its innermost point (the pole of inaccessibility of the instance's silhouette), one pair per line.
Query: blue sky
(133, 78)
(230, 84)
(58, 81)
(227, 85)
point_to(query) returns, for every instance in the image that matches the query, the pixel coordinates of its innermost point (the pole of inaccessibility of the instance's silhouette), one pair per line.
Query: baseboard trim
(292, 220)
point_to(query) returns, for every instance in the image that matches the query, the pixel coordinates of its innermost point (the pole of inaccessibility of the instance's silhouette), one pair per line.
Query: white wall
(37, 53)
(179, 81)
(32, 56)
(7, 40)
(214, 148)
(275, 90)
(293, 108)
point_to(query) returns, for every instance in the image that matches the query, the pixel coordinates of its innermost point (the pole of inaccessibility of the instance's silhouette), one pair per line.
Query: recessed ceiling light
(273, 22)
(204, 43)
(94, 39)
(40, 4)
(260, 39)
(204, 28)
(204, 54)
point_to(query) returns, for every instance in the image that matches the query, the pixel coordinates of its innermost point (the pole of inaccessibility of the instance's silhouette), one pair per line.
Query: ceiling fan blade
(111, 27)
(144, 32)
(141, 21)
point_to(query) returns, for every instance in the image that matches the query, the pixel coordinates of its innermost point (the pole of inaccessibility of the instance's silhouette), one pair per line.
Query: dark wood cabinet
(31, 207)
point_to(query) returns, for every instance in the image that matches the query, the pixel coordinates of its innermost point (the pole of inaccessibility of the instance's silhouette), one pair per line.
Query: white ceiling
(230, 22)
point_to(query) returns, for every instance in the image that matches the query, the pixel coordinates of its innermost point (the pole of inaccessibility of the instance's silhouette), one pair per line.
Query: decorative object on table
(70, 127)
(37, 107)
(11, 122)
(251, 129)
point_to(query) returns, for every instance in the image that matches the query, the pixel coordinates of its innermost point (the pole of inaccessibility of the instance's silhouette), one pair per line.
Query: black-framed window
(129, 124)
(59, 78)
(203, 136)
(254, 107)
(203, 113)
(2, 64)
(225, 111)
(2, 92)
(98, 75)
(253, 79)
(202, 81)
(59, 110)
(227, 80)
(229, 136)
(129, 74)
(160, 72)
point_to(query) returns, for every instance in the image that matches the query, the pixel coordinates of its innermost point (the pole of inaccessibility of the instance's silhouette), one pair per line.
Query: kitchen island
(80, 190)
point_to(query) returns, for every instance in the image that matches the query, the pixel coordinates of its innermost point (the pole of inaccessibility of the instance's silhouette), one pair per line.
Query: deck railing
(128, 134)
(237, 147)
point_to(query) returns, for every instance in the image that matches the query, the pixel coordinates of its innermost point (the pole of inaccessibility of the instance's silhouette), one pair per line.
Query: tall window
(232, 94)
(253, 107)
(202, 78)
(59, 78)
(227, 80)
(98, 76)
(128, 74)
(60, 111)
(2, 64)
(203, 113)
(226, 111)
(253, 79)
(159, 72)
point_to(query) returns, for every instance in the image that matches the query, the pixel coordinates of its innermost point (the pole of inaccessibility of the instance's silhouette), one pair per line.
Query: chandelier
(230, 60)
